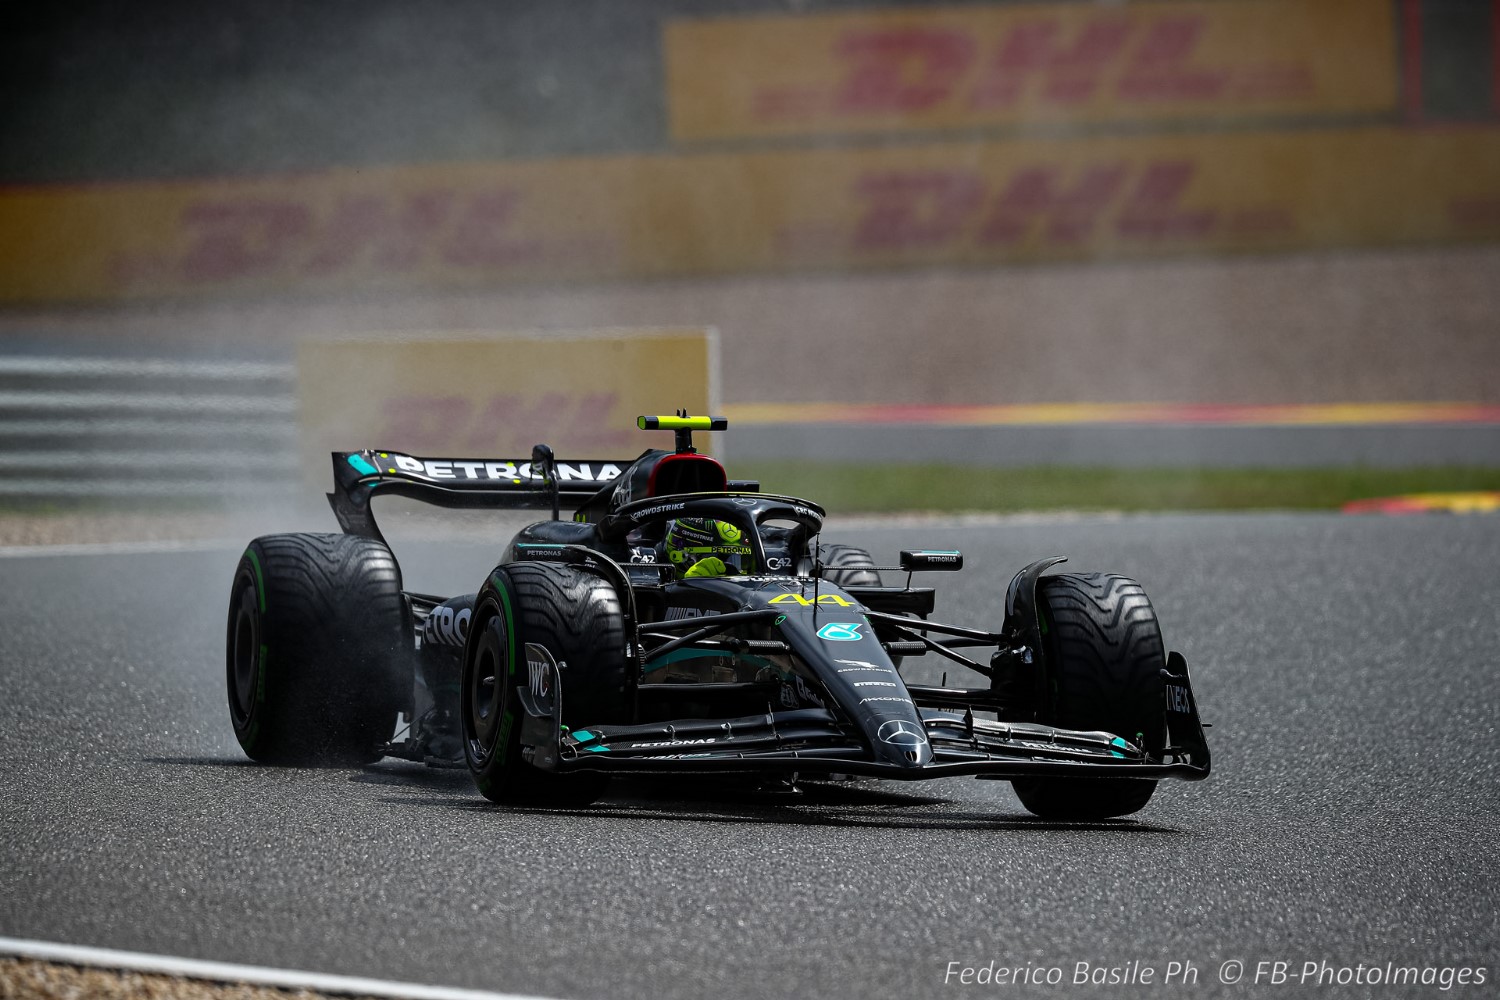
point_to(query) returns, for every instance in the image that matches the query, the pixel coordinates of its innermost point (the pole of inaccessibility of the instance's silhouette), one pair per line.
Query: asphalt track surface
(1348, 665)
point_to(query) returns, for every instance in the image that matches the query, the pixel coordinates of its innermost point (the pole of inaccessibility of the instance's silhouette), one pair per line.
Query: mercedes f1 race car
(684, 623)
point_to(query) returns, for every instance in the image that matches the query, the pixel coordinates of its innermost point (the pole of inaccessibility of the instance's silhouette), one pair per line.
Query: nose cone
(903, 743)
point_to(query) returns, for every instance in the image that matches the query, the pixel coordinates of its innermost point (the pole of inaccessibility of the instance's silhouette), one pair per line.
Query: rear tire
(1104, 649)
(318, 649)
(848, 566)
(575, 615)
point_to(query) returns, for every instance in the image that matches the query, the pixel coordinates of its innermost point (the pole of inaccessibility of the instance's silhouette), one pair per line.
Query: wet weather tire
(1102, 640)
(848, 566)
(573, 614)
(318, 649)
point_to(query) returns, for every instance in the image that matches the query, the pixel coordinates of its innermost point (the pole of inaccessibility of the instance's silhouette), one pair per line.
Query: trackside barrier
(121, 428)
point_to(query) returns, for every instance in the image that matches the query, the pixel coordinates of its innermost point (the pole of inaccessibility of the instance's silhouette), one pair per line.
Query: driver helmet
(698, 546)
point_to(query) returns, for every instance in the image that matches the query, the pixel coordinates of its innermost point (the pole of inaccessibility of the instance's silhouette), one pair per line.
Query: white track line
(119, 548)
(52, 401)
(103, 367)
(226, 973)
(143, 459)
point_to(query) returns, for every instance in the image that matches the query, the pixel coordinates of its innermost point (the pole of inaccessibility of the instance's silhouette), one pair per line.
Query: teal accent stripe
(363, 467)
(583, 736)
(679, 655)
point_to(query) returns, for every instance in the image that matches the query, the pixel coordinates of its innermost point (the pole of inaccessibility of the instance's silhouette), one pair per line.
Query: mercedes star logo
(901, 733)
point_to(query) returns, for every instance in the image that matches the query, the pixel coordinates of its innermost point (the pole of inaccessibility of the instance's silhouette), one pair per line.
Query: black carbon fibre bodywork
(811, 684)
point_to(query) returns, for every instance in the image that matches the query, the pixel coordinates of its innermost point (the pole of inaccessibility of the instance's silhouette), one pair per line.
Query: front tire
(1105, 655)
(575, 615)
(318, 649)
(848, 566)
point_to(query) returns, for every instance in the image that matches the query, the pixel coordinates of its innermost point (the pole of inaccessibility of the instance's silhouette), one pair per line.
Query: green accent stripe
(363, 467)
(510, 623)
(260, 583)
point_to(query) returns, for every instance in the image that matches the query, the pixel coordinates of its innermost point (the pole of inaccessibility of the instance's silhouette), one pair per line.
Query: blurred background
(1180, 253)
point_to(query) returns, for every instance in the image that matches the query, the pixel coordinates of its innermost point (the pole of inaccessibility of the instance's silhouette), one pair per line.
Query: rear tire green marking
(260, 581)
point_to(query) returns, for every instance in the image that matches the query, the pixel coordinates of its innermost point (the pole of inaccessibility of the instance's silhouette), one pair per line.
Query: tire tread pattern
(577, 616)
(848, 566)
(1105, 652)
(338, 637)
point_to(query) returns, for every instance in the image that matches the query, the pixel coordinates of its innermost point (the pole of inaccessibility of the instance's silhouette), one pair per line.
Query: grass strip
(877, 489)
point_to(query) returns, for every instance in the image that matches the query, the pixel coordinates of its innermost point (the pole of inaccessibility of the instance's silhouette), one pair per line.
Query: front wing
(816, 741)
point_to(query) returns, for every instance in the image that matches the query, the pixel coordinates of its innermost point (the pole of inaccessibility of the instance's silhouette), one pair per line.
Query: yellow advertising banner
(1030, 64)
(495, 396)
(771, 210)
(328, 231)
(1044, 200)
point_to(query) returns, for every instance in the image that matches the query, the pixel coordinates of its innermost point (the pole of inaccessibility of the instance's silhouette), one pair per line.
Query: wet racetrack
(1348, 665)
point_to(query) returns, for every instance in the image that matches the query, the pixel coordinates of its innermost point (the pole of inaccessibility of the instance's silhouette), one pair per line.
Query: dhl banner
(494, 396)
(326, 231)
(714, 213)
(1028, 64)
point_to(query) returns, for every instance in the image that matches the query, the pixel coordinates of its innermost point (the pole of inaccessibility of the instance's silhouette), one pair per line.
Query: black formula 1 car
(587, 653)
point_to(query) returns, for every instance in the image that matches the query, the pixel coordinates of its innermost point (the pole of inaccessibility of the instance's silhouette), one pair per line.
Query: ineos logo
(1178, 700)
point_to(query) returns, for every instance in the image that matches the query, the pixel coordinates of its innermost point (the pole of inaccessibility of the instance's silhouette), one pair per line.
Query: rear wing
(541, 483)
(495, 483)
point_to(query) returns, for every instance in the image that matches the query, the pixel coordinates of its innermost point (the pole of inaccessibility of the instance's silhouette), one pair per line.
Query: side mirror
(544, 467)
(931, 560)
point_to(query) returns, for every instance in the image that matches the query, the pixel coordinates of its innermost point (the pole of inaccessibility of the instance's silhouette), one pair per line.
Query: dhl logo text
(1046, 203)
(229, 238)
(1116, 58)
